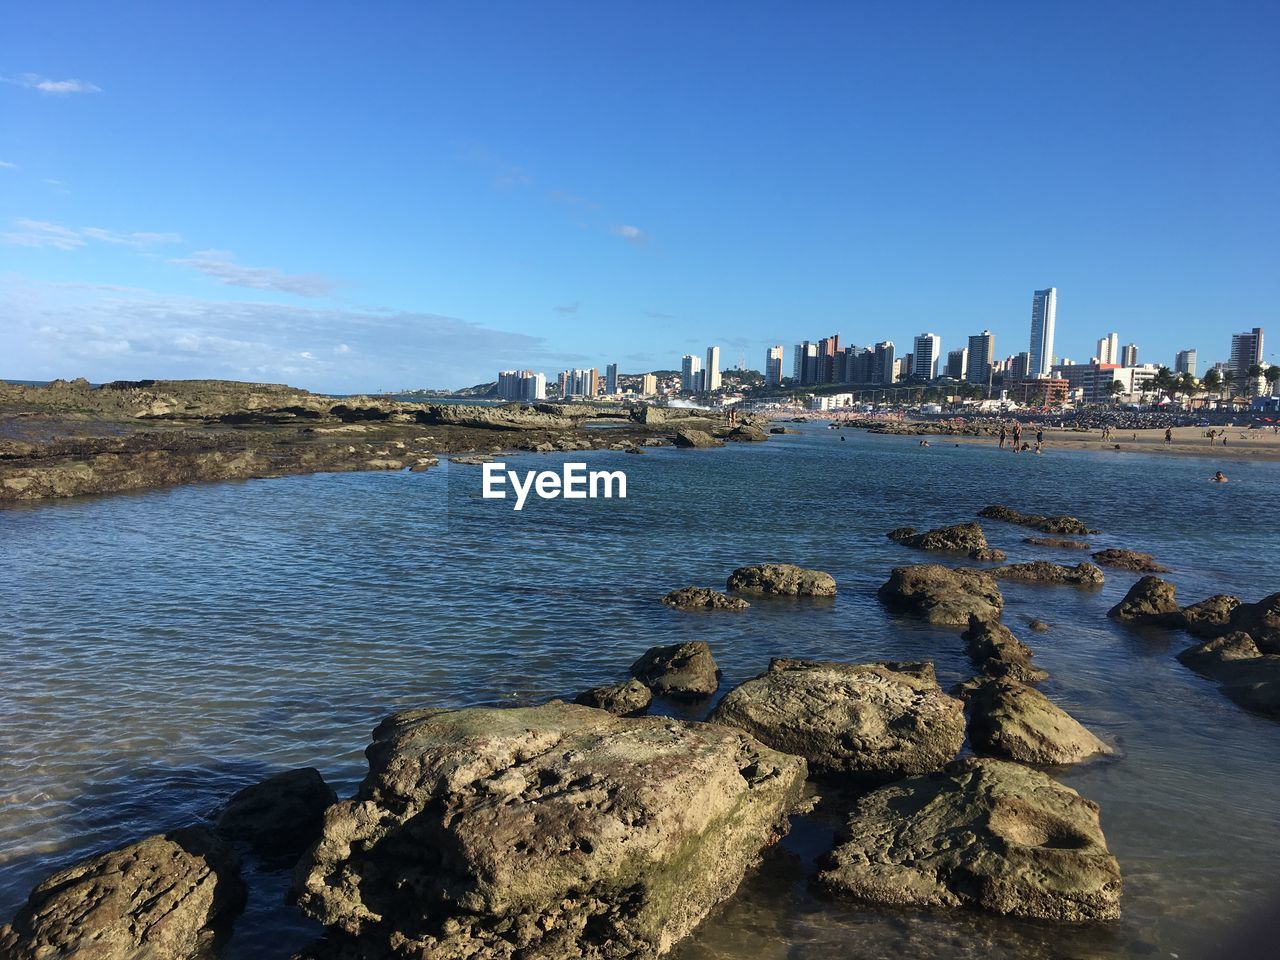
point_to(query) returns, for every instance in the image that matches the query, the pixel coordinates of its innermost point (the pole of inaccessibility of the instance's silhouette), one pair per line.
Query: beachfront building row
(522, 385)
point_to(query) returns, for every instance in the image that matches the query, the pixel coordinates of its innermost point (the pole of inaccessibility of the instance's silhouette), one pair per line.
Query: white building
(1044, 311)
(522, 385)
(690, 373)
(928, 350)
(773, 366)
(711, 376)
(1109, 348)
(834, 401)
(1185, 362)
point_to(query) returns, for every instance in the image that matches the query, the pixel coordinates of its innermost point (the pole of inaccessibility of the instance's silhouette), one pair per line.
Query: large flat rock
(1015, 721)
(541, 832)
(941, 595)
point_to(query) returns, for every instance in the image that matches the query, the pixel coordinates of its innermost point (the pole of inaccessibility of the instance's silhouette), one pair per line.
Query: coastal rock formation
(987, 833)
(1015, 721)
(782, 579)
(678, 670)
(882, 720)
(1210, 617)
(746, 434)
(510, 417)
(996, 652)
(1061, 543)
(279, 817)
(959, 537)
(1261, 621)
(1042, 571)
(703, 598)
(1129, 560)
(621, 699)
(1039, 626)
(1150, 600)
(989, 555)
(540, 832)
(1062, 526)
(782, 430)
(688, 437)
(942, 595)
(168, 897)
(1247, 674)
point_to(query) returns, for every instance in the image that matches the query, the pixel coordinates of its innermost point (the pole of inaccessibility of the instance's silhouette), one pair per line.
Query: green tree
(1253, 373)
(1164, 382)
(1212, 381)
(1228, 381)
(1114, 388)
(1272, 373)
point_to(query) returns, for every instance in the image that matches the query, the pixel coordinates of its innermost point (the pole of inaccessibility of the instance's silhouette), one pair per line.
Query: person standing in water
(1017, 435)
(1218, 478)
(1003, 435)
(1168, 435)
(1039, 440)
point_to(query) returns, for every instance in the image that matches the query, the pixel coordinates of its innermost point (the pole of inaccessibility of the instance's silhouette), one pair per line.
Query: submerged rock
(942, 595)
(552, 831)
(281, 816)
(1208, 657)
(996, 652)
(746, 434)
(621, 699)
(703, 598)
(1015, 721)
(168, 897)
(1042, 571)
(1061, 543)
(878, 719)
(1129, 560)
(1247, 675)
(678, 670)
(782, 579)
(1261, 621)
(689, 438)
(1210, 617)
(1062, 525)
(987, 833)
(1150, 600)
(959, 537)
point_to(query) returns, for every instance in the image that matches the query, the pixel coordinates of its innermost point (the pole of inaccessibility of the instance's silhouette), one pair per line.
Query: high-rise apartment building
(579, 383)
(805, 366)
(1246, 351)
(1109, 348)
(982, 352)
(958, 363)
(522, 385)
(825, 368)
(773, 366)
(648, 385)
(1129, 355)
(1044, 310)
(711, 376)
(1185, 362)
(611, 379)
(883, 364)
(928, 348)
(690, 374)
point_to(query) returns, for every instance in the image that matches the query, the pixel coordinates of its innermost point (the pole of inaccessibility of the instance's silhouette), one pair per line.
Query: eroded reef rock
(941, 595)
(678, 670)
(1016, 721)
(1060, 525)
(703, 598)
(783, 580)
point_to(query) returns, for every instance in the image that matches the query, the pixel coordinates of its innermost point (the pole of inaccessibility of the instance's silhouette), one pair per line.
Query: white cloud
(52, 88)
(342, 348)
(629, 233)
(221, 265)
(6, 165)
(42, 233)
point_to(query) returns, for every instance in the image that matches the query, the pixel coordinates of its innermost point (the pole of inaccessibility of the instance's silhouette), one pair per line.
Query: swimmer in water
(1219, 478)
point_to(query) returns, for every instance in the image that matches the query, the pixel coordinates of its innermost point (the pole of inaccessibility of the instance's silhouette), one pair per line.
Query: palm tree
(1114, 388)
(1187, 382)
(1272, 373)
(1228, 380)
(1164, 382)
(1253, 373)
(1212, 381)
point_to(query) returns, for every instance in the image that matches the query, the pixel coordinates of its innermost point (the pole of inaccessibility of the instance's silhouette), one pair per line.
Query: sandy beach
(1187, 441)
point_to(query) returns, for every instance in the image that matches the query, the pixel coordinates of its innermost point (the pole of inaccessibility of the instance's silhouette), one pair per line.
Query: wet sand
(1187, 441)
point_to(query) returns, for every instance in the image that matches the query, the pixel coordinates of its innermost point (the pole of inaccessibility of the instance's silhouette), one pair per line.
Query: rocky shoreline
(70, 439)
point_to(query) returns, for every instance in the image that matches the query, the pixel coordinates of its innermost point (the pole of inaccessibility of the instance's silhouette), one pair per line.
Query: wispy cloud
(221, 265)
(6, 165)
(506, 176)
(42, 233)
(655, 315)
(629, 233)
(110, 332)
(52, 88)
(560, 196)
(566, 309)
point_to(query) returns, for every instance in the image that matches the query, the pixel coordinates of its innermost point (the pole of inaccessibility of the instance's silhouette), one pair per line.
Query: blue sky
(371, 196)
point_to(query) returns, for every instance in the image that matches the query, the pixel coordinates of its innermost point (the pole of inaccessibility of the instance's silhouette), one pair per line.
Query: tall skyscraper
(690, 373)
(828, 350)
(522, 385)
(579, 383)
(611, 379)
(1246, 351)
(1129, 355)
(711, 378)
(773, 366)
(1185, 362)
(982, 352)
(648, 384)
(1109, 348)
(805, 367)
(1044, 310)
(958, 363)
(883, 366)
(925, 356)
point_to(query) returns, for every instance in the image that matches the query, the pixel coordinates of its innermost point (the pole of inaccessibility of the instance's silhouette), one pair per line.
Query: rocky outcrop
(168, 897)
(996, 652)
(782, 579)
(1042, 571)
(966, 538)
(703, 598)
(1261, 621)
(691, 438)
(1208, 618)
(1062, 525)
(1015, 721)
(1149, 601)
(678, 670)
(1247, 675)
(279, 817)
(988, 834)
(621, 699)
(1129, 560)
(881, 720)
(512, 417)
(746, 434)
(782, 430)
(941, 595)
(1061, 543)
(541, 832)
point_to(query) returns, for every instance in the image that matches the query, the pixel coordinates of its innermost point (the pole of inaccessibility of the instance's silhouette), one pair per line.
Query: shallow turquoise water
(161, 650)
